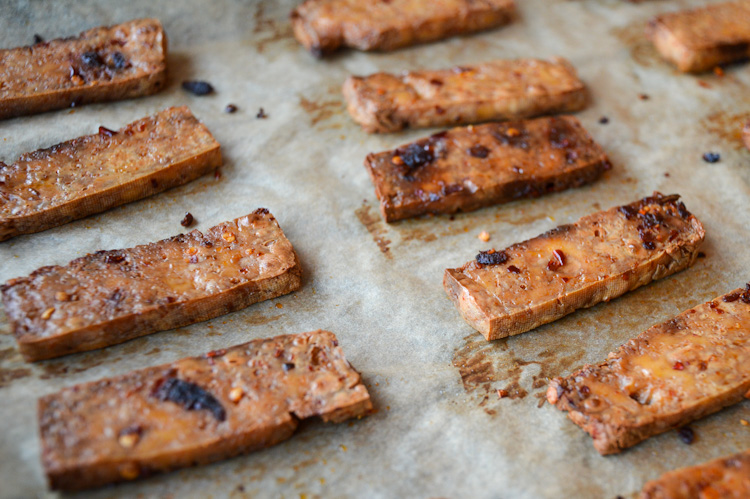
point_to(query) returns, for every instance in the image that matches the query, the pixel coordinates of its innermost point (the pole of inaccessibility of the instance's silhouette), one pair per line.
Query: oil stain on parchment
(268, 29)
(10, 359)
(376, 227)
(727, 126)
(641, 49)
(320, 111)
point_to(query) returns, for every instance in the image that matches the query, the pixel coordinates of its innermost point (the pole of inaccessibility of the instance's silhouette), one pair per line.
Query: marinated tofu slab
(323, 26)
(101, 64)
(109, 297)
(464, 169)
(684, 369)
(724, 478)
(699, 39)
(94, 173)
(196, 410)
(496, 90)
(602, 256)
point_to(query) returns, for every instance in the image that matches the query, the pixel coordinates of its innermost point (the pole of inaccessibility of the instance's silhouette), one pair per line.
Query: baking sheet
(440, 430)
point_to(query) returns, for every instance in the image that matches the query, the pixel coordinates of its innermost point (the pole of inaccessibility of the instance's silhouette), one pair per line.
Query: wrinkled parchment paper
(440, 429)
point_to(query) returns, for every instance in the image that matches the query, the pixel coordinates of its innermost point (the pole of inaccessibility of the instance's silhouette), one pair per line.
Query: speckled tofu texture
(94, 173)
(495, 90)
(600, 257)
(323, 26)
(109, 297)
(101, 64)
(723, 478)
(466, 168)
(700, 39)
(196, 410)
(676, 372)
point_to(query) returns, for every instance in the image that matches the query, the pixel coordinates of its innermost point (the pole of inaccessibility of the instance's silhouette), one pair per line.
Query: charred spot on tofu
(190, 396)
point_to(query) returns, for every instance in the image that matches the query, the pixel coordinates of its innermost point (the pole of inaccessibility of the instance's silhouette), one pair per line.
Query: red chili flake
(514, 269)
(479, 151)
(106, 132)
(261, 114)
(502, 393)
(557, 260)
(436, 82)
(216, 353)
(114, 258)
(188, 220)
(678, 366)
(231, 108)
(643, 96)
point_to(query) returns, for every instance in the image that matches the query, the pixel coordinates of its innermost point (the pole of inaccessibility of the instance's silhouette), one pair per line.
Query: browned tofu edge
(101, 92)
(464, 291)
(746, 134)
(176, 174)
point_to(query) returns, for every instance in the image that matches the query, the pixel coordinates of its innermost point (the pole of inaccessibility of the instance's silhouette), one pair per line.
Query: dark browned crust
(673, 373)
(478, 166)
(110, 297)
(182, 149)
(54, 75)
(700, 39)
(124, 428)
(324, 26)
(608, 254)
(726, 477)
(490, 91)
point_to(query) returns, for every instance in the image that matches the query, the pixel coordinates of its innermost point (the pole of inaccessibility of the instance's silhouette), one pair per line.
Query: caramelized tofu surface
(90, 174)
(109, 297)
(464, 169)
(196, 410)
(323, 26)
(699, 39)
(724, 478)
(496, 90)
(101, 64)
(673, 373)
(602, 256)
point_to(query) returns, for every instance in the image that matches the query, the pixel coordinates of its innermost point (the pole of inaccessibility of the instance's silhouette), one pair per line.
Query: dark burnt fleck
(188, 220)
(114, 258)
(686, 434)
(207, 244)
(231, 108)
(560, 135)
(288, 366)
(492, 257)
(106, 132)
(585, 390)
(557, 260)
(436, 82)
(92, 59)
(479, 151)
(732, 297)
(412, 157)
(198, 87)
(684, 213)
(603, 120)
(701, 254)
(190, 396)
(116, 297)
(514, 269)
(119, 61)
(261, 114)
(643, 96)
(261, 211)
(38, 39)
(628, 211)
(511, 135)
(649, 245)
(711, 157)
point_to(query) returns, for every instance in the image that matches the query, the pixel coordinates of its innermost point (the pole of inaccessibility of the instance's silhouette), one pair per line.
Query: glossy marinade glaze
(196, 410)
(109, 297)
(600, 257)
(94, 173)
(466, 168)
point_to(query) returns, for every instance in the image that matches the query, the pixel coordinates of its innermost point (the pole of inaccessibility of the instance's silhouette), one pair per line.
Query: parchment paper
(440, 429)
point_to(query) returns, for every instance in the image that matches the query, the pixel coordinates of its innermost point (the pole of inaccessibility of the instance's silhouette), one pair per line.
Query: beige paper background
(440, 429)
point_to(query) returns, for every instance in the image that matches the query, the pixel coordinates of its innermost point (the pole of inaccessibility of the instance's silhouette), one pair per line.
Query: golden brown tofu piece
(699, 39)
(109, 297)
(723, 478)
(323, 26)
(196, 410)
(94, 173)
(101, 64)
(746, 134)
(673, 373)
(602, 256)
(464, 169)
(496, 90)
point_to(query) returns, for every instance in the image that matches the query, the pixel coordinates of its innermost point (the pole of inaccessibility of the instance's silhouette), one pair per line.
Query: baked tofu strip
(464, 169)
(196, 410)
(109, 297)
(496, 90)
(700, 39)
(323, 26)
(600, 257)
(673, 373)
(94, 173)
(746, 134)
(101, 64)
(723, 478)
